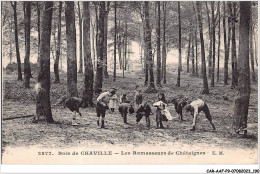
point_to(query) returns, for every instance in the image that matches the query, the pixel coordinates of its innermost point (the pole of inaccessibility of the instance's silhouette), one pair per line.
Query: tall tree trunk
(210, 44)
(234, 57)
(164, 45)
(188, 55)
(219, 41)
(120, 49)
(97, 29)
(93, 42)
(192, 54)
(20, 77)
(204, 74)
(256, 48)
(196, 39)
(88, 66)
(124, 51)
(10, 40)
(39, 27)
(148, 45)
(80, 40)
(27, 69)
(179, 67)
(101, 30)
(253, 74)
(43, 105)
(56, 63)
(105, 73)
(114, 79)
(146, 62)
(213, 44)
(126, 45)
(242, 100)
(225, 46)
(72, 90)
(158, 44)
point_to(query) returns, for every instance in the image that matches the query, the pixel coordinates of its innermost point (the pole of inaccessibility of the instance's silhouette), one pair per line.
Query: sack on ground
(164, 118)
(167, 114)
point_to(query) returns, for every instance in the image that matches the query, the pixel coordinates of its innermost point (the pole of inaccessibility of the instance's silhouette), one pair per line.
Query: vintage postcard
(129, 82)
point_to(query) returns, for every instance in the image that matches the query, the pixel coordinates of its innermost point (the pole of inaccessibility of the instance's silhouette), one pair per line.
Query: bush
(12, 67)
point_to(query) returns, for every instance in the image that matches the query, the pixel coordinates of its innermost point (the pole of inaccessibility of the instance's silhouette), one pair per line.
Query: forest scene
(59, 58)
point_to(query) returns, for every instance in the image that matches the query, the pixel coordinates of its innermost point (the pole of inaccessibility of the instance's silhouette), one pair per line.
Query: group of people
(109, 101)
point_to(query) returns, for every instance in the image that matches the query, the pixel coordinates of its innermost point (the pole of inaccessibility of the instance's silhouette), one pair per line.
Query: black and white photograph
(129, 82)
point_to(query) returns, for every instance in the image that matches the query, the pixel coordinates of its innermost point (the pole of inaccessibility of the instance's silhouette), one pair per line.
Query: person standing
(138, 99)
(160, 105)
(102, 102)
(124, 106)
(113, 103)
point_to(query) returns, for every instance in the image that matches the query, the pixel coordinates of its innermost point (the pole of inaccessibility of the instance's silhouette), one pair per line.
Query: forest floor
(21, 132)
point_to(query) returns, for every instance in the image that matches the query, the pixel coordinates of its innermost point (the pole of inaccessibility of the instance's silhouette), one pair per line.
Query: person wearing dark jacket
(124, 107)
(144, 110)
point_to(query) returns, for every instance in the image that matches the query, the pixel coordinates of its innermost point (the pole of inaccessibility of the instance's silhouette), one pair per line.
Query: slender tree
(43, 105)
(242, 100)
(188, 55)
(119, 42)
(158, 31)
(27, 19)
(192, 54)
(105, 73)
(146, 62)
(38, 5)
(148, 45)
(100, 48)
(164, 45)
(56, 63)
(256, 49)
(253, 74)
(225, 46)
(204, 74)
(213, 34)
(179, 66)
(88, 66)
(115, 21)
(80, 39)
(96, 4)
(219, 41)
(196, 40)
(72, 90)
(93, 41)
(10, 41)
(234, 57)
(210, 41)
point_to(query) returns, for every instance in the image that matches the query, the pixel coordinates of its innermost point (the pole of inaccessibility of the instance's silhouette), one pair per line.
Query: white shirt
(196, 105)
(104, 97)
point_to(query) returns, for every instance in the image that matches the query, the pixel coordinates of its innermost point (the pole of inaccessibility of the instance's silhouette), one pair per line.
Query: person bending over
(102, 102)
(144, 110)
(195, 108)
